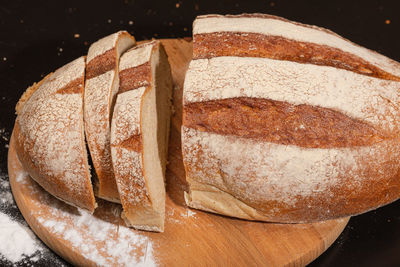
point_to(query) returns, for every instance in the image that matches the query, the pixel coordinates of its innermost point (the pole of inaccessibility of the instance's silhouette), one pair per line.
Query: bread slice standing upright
(287, 122)
(100, 92)
(50, 139)
(139, 134)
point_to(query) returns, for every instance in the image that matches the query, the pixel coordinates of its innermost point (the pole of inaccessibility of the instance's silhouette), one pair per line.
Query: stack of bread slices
(118, 99)
(282, 122)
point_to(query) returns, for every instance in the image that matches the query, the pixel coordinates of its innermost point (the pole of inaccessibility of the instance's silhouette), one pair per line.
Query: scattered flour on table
(17, 241)
(85, 232)
(97, 240)
(6, 198)
(4, 135)
(179, 217)
(191, 213)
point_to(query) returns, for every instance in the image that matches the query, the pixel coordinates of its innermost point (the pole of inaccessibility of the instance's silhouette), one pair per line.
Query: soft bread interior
(155, 116)
(163, 81)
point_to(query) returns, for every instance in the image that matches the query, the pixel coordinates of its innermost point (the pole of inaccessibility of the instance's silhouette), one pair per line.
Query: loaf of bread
(282, 122)
(100, 92)
(139, 134)
(286, 122)
(50, 139)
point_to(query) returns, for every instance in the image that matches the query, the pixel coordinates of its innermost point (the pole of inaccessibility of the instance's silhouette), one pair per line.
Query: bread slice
(286, 122)
(101, 88)
(50, 140)
(139, 134)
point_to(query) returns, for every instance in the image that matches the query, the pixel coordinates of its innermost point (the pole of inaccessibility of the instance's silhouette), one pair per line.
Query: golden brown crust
(73, 87)
(132, 143)
(101, 86)
(135, 190)
(263, 159)
(49, 136)
(101, 64)
(107, 187)
(139, 173)
(275, 47)
(132, 189)
(280, 122)
(27, 94)
(373, 180)
(142, 74)
(339, 201)
(268, 16)
(52, 184)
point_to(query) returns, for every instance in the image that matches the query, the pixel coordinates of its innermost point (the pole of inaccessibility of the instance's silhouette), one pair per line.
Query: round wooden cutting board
(191, 237)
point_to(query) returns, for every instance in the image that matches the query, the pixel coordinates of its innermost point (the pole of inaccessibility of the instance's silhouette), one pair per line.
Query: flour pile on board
(17, 241)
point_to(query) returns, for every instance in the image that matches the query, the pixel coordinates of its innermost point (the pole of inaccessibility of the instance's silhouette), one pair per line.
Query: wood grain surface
(191, 237)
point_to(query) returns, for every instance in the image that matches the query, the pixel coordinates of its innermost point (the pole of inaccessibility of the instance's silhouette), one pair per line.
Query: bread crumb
(387, 21)
(130, 22)
(77, 35)
(4, 135)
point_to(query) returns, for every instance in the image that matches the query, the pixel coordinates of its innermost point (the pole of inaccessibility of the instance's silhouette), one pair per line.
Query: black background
(37, 37)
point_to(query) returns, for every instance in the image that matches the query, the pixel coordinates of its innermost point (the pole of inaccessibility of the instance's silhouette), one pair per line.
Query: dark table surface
(37, 37)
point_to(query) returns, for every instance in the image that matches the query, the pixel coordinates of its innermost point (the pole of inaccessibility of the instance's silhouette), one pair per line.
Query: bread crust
(274, 26)
(269, 135)
(50, 139)
(276, 47)
(285, 183)
(142, 74)
(28, 93)
(100, 92)
(281, 122)
(136, 80)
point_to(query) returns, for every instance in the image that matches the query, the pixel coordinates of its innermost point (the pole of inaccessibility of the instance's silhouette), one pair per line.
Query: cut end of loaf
(212, 199)
(146, 221)
(155, 114)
